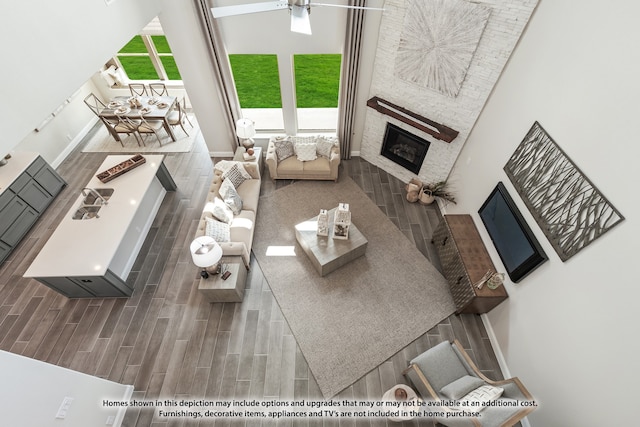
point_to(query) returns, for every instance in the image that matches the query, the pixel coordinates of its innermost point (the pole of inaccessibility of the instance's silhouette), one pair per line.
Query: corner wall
(569, 329)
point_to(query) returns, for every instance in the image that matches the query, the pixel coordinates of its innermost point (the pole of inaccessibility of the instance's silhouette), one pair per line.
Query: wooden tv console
(465, 261)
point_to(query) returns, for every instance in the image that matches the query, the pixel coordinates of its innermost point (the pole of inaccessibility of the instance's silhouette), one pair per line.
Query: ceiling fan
(299, 10)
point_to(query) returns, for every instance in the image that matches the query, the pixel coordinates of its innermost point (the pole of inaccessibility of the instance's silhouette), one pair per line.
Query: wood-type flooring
(168, 342)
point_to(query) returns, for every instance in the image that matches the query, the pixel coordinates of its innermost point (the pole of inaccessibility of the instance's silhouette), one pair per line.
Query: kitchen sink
(91, 196)
(86, 212)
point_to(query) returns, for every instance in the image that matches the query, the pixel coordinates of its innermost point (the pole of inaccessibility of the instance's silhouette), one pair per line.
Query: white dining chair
(122, 125)
(148, 127)
(94, 103)
(178, 117)
(138, 89)
(158, 89)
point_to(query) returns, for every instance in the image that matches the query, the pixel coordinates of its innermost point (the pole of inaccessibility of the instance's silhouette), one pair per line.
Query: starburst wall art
(438, 41)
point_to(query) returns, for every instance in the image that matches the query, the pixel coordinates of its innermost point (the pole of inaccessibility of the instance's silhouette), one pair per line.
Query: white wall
(56, 47)
(569, 330)
(32, 392)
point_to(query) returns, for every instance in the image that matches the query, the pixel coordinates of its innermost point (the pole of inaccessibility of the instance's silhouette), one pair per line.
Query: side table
(390, 395)
(215, 289)
(239, 156)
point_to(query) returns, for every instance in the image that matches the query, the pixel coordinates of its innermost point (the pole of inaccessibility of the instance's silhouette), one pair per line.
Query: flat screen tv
(518, 248)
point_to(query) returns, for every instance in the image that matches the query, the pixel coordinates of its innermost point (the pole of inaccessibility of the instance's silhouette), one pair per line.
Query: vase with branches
(434, 190)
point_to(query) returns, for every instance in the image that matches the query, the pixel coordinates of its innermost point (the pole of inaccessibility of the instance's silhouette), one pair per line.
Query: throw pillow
(236, 174)
(224, 165)
(460, 387)
(221, 211)
(284, 149)
(306, 151)
(324, 146)
(479, 397)
(218, 230)
(230, 196)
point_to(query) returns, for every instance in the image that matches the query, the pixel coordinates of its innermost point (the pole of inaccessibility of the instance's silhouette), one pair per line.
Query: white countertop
(16, 165)
(87, 247)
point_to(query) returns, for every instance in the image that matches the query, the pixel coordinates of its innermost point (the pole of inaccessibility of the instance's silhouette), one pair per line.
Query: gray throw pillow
(218, 230)
(235, 175)
(323, 147)
(284, 149)
(461, 387)
(230, 196)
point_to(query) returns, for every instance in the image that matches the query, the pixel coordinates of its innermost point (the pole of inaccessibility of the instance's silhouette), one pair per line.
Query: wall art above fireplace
(404, 148)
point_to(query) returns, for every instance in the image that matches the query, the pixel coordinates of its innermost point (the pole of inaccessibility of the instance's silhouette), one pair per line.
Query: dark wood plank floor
(169, 342)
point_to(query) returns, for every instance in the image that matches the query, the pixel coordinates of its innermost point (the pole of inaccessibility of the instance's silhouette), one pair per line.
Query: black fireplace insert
(404, 148)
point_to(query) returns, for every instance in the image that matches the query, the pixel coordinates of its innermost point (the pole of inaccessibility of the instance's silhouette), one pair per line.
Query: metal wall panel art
(569, 209)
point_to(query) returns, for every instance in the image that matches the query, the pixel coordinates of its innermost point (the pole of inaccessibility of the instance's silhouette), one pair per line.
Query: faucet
(86, 191)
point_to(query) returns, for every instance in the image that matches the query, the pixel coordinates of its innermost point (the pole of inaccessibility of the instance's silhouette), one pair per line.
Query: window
(148, 56)
(295, 94)
(317, 79)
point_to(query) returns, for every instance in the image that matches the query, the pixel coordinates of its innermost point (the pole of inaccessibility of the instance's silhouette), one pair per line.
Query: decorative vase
(495, 280)
(426, 197)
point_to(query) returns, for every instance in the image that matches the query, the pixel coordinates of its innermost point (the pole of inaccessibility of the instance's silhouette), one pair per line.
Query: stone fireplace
(397, 94)
(404, 148)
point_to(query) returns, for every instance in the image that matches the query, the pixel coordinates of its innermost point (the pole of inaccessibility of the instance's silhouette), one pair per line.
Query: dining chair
(122, 125)
(148, 127)
(94, 103)
(177, 118)
(138, 89)
(158, 89)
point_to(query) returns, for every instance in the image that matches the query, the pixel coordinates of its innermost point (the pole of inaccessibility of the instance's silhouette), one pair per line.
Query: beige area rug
(103, 142)
(353, 319)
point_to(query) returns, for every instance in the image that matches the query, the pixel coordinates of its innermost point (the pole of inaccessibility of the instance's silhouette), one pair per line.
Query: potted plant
(437, 189)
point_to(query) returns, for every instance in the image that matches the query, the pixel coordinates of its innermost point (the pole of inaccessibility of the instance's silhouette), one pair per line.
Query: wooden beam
(434, 129)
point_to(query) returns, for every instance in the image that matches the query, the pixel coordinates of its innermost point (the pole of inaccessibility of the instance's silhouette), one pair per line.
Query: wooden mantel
(434, 129)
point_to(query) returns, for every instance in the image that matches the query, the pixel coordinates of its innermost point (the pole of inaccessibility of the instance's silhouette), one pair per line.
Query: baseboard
(220, 153)
(74, 143)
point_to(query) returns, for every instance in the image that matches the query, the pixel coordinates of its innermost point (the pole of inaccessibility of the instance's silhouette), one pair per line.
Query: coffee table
(326, 253)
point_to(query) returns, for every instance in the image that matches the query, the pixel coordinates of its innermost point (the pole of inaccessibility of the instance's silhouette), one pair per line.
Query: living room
(557, 329)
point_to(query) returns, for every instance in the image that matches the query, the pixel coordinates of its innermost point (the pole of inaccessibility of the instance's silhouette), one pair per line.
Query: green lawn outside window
(317, 80)
(258, 84)
(138, 65)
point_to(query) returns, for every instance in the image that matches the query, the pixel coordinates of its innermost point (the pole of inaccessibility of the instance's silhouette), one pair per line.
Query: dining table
(148, 107)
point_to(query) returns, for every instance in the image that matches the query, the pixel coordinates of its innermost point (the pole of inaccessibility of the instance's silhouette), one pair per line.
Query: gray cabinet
(24, 200)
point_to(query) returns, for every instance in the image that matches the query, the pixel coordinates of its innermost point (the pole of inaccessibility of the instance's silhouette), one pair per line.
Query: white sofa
(242, 226)
(285, 164)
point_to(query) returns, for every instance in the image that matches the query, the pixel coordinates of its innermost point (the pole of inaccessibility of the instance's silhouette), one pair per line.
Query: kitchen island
(91, 255)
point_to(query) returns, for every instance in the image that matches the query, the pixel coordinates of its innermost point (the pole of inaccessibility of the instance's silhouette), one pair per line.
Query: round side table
(391, 395)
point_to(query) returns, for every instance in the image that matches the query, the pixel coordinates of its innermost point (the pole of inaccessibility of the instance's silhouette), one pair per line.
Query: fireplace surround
(404, 148)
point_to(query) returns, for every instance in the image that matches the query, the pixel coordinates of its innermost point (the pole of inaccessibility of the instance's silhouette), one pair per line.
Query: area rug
(103, 142)
(353, 319)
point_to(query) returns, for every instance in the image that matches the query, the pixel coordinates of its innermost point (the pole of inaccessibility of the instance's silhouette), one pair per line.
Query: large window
(148, 57)
(296, 93)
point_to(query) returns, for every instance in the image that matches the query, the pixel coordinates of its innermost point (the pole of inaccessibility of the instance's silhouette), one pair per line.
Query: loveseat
(232, 230)
(308, 157)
